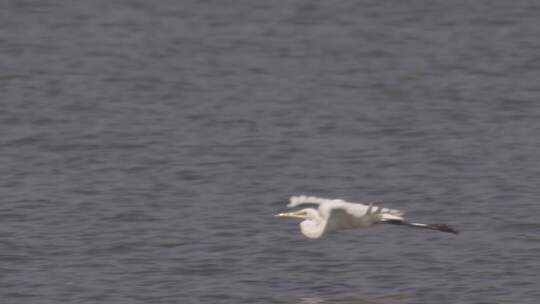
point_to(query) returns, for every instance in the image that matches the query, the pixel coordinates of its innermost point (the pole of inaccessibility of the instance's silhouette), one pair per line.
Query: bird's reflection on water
(352, 299)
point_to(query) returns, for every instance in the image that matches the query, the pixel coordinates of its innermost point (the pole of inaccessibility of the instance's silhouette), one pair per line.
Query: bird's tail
(439, 227)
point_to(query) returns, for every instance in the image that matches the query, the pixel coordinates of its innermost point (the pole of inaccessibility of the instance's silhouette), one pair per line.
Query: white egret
(336, 214)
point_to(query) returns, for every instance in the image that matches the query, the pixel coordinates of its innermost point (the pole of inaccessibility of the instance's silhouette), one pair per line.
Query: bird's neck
(313, 229)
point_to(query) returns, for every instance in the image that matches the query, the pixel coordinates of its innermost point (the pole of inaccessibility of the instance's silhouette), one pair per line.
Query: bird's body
(336, 214)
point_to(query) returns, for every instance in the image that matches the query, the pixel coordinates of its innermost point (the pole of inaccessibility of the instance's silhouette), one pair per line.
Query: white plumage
(337, 214)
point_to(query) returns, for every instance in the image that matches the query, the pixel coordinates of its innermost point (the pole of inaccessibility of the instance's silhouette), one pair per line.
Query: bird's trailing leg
(439, 227)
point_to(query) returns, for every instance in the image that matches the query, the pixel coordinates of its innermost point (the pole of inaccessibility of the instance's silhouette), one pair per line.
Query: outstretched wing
(349, 215)
(373, 208)
(304, 199)
(340, 219)
(356, 209)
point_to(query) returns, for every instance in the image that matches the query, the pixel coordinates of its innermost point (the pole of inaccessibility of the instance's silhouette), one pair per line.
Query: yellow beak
(299, 214)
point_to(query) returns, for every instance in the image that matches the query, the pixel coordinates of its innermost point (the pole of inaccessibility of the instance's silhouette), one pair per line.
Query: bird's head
(307, 214)
(312, 225)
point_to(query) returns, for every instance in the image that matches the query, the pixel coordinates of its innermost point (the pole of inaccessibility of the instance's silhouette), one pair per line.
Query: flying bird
(337, 214)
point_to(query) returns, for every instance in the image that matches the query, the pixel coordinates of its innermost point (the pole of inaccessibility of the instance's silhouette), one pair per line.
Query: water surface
(146, 146)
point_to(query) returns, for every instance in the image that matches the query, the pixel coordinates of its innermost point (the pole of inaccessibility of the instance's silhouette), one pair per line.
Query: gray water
(146, 145)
